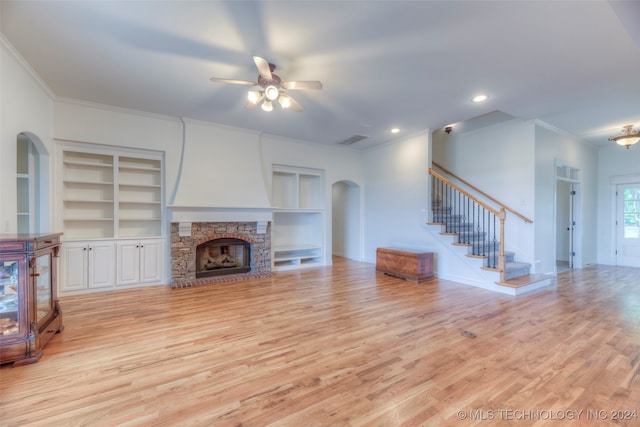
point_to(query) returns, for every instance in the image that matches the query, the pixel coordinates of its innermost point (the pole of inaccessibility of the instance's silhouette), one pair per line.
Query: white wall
(497, 159)
(396, 194)
(25, 106)
(98, 124)
(339, 164)
(221, 168)
(212, 165)
(514, 161)
(552, 145)
(613, 162)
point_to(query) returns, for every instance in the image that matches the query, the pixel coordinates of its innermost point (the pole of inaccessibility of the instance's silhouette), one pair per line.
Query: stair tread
(525, 280)
(507, 254)
(514, 272)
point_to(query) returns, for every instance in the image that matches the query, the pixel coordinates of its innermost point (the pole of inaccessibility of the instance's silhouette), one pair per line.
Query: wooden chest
(410, 264)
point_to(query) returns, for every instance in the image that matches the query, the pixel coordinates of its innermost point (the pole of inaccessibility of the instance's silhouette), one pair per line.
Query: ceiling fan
(272, 87)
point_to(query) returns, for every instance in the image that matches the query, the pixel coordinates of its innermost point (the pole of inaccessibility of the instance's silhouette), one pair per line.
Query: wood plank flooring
(339, 346)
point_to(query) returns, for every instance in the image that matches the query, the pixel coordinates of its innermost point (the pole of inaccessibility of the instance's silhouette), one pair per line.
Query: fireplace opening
(219, 257)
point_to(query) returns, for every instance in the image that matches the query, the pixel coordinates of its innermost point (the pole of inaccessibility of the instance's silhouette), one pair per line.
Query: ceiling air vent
(352, 140)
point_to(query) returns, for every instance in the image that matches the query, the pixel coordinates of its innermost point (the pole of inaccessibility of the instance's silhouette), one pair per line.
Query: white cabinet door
(101, 264)
(139, 261)
(87, 265)
(74, 271)
(151, 261)
(128, 262)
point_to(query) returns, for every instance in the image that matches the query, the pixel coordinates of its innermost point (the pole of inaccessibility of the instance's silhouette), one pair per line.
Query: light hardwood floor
(339, 346)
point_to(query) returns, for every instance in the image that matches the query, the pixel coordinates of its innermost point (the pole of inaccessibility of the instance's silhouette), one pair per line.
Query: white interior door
(628, 224)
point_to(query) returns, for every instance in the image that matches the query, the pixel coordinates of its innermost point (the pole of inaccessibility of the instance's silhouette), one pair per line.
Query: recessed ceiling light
(480, 98)
(394, 130)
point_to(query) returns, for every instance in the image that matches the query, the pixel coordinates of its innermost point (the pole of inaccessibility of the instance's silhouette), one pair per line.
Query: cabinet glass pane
(43, 286)
(9, 298)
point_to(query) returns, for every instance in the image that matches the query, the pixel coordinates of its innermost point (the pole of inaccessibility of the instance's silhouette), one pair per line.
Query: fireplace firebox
(223, 256)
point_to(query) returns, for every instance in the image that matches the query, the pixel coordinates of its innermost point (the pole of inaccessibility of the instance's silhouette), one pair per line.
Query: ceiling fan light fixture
(271, 87)
(271, 92)
(284, 101)
(479, 98)
(267, 106)
(628, 138)
(254, 96)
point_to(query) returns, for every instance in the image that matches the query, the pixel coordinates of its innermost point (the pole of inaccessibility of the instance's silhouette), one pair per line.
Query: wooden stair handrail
(466, 193)
(522, 217)
(501, 214)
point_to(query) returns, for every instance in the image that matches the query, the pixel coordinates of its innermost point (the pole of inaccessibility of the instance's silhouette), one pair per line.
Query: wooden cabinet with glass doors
(29, 311)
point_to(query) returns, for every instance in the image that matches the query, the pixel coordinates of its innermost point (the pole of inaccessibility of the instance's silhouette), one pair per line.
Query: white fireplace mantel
(219, 214)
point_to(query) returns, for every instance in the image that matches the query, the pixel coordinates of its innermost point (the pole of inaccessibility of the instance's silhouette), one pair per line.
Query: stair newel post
(502, 261)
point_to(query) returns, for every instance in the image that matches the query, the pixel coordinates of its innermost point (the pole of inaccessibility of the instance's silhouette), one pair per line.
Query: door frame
(615, 181)
(347, 219)
(573, 175)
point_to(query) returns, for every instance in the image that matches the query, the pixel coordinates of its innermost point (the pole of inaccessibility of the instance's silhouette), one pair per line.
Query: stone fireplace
(214, 252)
(219, 257)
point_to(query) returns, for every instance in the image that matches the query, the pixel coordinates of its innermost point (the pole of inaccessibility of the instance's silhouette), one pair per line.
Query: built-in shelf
(112, 203)
(120, 194)
(26, 166)
(290, 257)
(298, 217)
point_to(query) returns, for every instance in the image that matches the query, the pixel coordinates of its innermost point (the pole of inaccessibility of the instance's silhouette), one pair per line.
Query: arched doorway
(346, 220)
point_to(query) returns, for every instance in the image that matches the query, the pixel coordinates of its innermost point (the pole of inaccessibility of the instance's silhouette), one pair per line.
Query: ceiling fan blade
(302, 85)
(263, 67)
(233, 82)
(293, 103)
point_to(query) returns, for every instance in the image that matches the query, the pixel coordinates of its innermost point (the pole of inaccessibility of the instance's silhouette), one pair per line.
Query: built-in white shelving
(139, 197)
(298, 218)
(111, 198)
(87, 195)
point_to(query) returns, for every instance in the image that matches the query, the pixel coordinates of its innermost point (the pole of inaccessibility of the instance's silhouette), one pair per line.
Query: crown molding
(115, 109)
(27, 67)
(564, 133)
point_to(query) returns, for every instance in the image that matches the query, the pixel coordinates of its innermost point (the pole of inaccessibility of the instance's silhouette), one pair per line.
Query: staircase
(477, 228)
(479, 244)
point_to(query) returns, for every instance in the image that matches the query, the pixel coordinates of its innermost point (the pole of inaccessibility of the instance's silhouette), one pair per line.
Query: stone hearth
(183, 251)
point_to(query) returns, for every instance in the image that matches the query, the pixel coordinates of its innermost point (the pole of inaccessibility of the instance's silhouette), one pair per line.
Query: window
(631, 212)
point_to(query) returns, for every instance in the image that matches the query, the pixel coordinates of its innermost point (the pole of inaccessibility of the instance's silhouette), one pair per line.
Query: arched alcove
(346, 220)
(33, 184)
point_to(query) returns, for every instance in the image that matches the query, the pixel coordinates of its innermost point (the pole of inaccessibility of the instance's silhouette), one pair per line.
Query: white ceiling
(412, 64)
